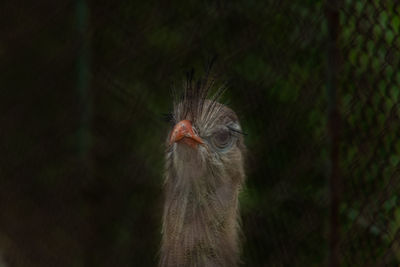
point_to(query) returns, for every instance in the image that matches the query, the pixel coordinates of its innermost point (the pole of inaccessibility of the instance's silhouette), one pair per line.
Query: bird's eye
(222, 138)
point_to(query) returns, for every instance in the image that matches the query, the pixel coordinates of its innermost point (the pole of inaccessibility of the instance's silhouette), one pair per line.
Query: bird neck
(200, 221)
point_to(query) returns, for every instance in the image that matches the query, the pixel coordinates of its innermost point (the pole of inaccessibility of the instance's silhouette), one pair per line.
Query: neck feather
(200, 221)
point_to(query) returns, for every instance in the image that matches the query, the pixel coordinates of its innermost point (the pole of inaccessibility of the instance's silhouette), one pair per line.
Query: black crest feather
(191, 104)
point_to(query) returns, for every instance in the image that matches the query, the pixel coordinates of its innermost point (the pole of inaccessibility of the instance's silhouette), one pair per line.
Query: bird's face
(207, 142)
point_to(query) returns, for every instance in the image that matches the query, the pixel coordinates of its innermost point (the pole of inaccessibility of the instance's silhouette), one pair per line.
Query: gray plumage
(202, 184)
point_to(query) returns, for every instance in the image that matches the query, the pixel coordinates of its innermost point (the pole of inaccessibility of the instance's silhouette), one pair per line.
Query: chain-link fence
(369, 87)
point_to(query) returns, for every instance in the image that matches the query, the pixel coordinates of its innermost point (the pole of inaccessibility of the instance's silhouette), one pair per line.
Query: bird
(204, 174)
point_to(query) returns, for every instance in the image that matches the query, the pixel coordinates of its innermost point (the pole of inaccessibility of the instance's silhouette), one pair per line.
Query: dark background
(83, 89)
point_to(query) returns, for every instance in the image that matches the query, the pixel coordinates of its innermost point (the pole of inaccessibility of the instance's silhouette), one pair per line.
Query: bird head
(206, 138)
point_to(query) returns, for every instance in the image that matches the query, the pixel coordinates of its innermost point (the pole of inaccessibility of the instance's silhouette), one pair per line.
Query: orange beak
(183, 132)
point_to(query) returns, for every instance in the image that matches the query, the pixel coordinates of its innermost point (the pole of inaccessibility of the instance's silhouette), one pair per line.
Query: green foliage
(370, 154)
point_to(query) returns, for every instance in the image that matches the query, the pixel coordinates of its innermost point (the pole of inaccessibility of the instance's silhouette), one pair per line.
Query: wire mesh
(369, 92)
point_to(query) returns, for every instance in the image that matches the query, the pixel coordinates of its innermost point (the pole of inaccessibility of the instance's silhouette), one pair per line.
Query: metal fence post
(332, 12)
(83, 82)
